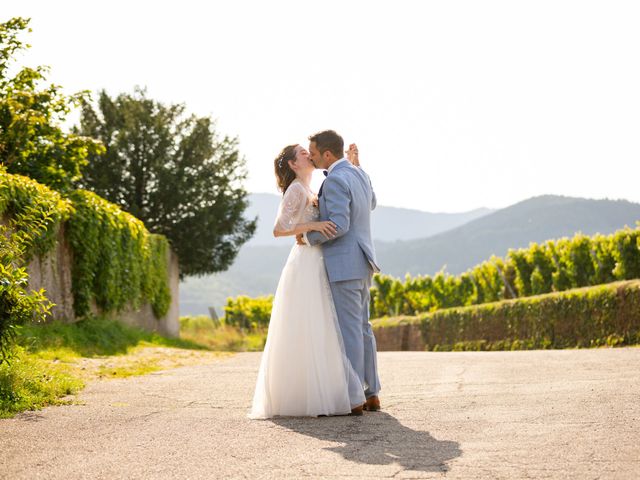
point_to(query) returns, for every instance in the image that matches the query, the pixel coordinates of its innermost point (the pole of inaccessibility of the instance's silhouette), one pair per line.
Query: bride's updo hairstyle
(284, 174)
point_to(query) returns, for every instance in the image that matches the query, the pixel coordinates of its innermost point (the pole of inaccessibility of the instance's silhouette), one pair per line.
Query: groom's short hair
(328, 140)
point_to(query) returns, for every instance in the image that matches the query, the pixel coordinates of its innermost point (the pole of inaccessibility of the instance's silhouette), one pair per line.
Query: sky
(454, 105)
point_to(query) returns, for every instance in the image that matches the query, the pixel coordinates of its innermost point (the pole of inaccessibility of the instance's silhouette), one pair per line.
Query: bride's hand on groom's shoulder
(352, 155)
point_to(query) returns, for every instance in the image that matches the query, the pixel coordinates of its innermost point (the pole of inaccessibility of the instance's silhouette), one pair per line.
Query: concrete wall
(53, 273)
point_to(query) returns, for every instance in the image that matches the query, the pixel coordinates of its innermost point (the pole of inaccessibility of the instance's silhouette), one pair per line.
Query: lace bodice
(296, 207)
(310, 213)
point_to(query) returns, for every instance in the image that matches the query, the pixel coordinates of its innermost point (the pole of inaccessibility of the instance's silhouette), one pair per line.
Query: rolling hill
(257, 267)
(534, 220)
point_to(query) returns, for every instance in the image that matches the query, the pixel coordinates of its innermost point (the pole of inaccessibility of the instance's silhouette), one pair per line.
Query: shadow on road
(377, 439)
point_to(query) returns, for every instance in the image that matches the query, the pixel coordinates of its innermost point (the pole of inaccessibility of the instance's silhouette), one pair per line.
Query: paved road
(558, 414)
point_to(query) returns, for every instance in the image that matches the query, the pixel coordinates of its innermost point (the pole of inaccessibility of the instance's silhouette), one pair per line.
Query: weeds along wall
(113, 264)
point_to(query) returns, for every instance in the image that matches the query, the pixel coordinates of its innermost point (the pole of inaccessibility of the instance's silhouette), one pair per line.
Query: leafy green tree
(248, 313)
(605, 262)
(582, 265)
(465, 289)
(542, 276)
(32, 142)
(489, 284)
(627, 253)
(524, 269)
(172, 171)
(559, 252)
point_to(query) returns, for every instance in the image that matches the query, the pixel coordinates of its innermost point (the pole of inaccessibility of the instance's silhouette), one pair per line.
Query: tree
(172, 171)
(32, 142)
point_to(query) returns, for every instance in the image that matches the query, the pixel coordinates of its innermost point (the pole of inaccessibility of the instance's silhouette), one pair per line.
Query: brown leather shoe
(357, 411)
(373, 404)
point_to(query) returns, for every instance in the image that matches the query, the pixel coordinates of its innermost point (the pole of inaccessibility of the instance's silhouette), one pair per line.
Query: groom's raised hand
(352, 155)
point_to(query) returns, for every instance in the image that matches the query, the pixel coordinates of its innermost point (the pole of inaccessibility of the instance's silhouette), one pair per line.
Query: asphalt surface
(540, 414)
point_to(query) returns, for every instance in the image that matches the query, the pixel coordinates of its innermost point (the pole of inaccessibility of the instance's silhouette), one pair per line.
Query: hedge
(552, 266)
(587, 317)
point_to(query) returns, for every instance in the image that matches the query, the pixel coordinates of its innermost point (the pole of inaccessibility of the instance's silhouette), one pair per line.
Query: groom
(346, 198)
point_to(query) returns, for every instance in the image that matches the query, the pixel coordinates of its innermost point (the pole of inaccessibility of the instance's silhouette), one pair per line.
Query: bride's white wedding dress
(304, 370)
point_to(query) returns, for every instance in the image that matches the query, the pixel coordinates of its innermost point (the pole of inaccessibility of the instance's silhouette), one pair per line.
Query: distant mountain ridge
(388, 223)
(535, 220)
(257, 268)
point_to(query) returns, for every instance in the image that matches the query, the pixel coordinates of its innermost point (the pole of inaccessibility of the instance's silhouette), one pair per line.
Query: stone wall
(53, 273)
(401, 337)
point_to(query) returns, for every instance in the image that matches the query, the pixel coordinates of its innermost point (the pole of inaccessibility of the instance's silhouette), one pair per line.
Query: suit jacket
(347, 199)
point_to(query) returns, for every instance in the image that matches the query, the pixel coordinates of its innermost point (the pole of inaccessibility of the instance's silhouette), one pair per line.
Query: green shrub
(556, 265)
(248, 313)
(606, 315)
(34, 214)
(30, 383)
(626, 244)
(17, 306)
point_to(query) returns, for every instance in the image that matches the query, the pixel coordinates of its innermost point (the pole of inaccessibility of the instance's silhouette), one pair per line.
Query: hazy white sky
(454, 104)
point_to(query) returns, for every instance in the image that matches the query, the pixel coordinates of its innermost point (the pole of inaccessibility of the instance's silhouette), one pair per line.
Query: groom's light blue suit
(347, 198)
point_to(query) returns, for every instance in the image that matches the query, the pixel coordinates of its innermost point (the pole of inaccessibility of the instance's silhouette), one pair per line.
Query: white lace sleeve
(291, 207)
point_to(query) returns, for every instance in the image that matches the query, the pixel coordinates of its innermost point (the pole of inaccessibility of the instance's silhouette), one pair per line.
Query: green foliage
(35, 212)
(116, 261)
(542, 262)
(93, 336)
(248, 313)
(45, 366)
(524, 270)
(31, 383)
(172, 171)
(32, 141)
(604, 259)
(17, 306)
(606, 315)
(560, 278)
(625, 251)
(581, 267)
(550, 267)
(34, 215)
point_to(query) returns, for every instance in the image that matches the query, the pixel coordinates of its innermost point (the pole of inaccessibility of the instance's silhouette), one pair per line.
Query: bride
(304, 370)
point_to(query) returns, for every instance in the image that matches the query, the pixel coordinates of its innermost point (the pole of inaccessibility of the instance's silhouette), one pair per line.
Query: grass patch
(30, 383)
(220, 337)
(91, 337)
(55, 360)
